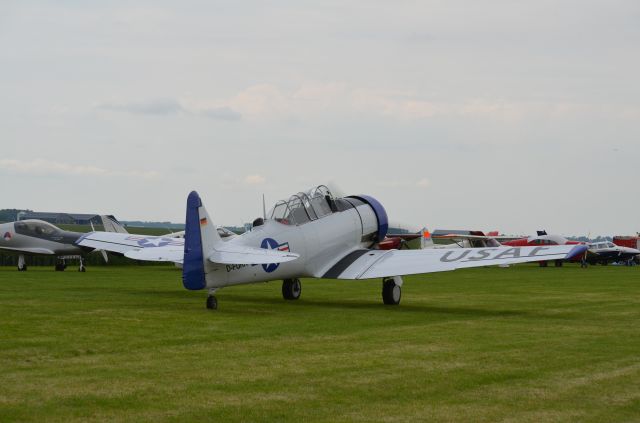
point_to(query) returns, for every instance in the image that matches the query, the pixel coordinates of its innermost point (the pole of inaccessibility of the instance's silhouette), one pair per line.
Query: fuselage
(38, 237)
(354, 226)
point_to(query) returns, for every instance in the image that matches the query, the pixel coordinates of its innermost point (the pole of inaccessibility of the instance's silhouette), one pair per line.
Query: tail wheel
(391, 292)
(291, 289)
(212, 302)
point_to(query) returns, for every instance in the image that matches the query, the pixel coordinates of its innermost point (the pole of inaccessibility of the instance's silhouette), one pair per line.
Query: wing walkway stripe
(342, 265)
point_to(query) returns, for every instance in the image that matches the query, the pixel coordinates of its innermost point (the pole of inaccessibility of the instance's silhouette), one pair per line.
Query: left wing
(137, 247)
(367, 264)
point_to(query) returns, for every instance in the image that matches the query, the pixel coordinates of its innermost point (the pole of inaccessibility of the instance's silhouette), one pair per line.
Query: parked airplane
(37, 237)
(314, 235)
(606, 252)
(542, 238)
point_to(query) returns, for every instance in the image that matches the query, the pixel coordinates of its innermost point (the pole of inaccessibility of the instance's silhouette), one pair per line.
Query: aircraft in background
(37, 237)
(606, 252)
(542, 238)
(312, 234)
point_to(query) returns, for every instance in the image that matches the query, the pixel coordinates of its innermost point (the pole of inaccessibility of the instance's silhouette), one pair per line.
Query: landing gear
(82, 268)
(558, 263)
(291, 289)
(543, 263)
(60, 265)
(391, 290)
(212, 301)
(22, 264)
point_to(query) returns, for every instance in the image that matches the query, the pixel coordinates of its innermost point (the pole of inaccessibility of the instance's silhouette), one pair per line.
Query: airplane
(542, 238)
(312, 234)
(37, 237)
(462, 239)
(605, 252)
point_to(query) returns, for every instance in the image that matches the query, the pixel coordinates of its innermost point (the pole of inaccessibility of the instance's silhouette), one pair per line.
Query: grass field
(522, 344)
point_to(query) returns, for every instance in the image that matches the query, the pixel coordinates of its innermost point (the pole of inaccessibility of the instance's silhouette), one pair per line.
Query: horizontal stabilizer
(168, 253)
(231, 254)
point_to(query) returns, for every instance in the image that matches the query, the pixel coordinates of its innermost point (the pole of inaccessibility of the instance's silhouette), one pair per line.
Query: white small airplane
(312, 234)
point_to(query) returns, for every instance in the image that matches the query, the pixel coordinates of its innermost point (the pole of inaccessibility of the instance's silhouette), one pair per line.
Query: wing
(367, 264)
(137, 247)
(29, 250)
(461, 236)
(161, 248)
(166, 253)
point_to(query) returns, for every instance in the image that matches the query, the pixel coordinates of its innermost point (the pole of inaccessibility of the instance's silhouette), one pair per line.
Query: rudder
(200, 237)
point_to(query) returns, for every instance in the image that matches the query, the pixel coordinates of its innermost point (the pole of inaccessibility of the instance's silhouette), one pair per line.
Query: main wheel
(212, 302)
(391, 292)
(60, 267)
(558, 263)
(291, 289)
(543, 263)
(22, 269)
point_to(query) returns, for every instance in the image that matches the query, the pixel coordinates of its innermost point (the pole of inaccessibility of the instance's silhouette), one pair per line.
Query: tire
(291, 289)
(558, 263)
(212, 302)
(391, 293)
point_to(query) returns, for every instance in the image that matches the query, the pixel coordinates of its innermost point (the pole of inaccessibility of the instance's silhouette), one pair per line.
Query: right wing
(163, 248)
(367, 264)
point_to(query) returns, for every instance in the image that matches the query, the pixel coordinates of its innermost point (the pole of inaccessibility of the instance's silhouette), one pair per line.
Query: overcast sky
(502, 114)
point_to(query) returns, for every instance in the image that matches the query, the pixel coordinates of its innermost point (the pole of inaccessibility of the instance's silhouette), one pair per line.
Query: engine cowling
(373, 216)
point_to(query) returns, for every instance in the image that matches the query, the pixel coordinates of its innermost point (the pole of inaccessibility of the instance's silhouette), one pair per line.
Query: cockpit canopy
(38, 228)
(303, 207)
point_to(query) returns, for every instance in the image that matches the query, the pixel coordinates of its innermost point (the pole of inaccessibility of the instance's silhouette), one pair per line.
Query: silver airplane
(37, 237)
(310, 235)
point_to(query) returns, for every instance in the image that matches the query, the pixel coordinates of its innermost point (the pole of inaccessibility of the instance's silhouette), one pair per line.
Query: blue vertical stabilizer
(193, 264)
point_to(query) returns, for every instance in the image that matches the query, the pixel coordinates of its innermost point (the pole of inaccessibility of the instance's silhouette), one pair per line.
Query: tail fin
(110, 224)
(200, 238)
(427, 241)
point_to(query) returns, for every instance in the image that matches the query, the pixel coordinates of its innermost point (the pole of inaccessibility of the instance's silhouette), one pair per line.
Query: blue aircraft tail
(193, 275)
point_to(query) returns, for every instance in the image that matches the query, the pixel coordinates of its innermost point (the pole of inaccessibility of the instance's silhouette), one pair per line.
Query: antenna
(264, 208)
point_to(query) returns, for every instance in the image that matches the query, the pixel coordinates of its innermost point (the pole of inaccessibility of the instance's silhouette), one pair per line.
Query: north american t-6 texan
(311, 235)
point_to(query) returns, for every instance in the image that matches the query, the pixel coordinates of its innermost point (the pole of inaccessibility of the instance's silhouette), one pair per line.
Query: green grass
(522, 344)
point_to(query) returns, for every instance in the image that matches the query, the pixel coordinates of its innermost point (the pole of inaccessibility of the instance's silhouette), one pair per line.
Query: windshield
(304, 206)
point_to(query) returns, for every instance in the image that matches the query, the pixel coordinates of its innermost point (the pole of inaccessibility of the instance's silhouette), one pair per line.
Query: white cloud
(314, 98)
(423, 183)
(254, 179)
(42, 167)
(170, 106)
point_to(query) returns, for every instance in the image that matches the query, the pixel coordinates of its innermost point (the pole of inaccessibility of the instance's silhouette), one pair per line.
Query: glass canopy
(304, 207)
